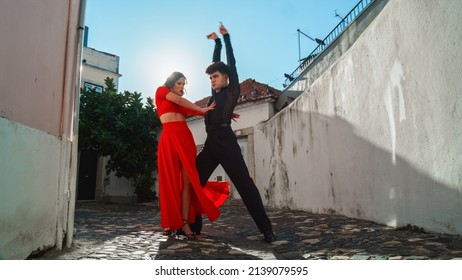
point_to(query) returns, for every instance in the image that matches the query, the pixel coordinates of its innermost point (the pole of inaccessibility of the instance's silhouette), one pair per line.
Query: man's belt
(216, 126)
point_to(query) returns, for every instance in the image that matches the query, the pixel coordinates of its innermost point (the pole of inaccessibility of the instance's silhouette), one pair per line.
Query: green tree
(118, 126)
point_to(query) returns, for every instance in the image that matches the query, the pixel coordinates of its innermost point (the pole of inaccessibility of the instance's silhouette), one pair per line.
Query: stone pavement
(115, 231)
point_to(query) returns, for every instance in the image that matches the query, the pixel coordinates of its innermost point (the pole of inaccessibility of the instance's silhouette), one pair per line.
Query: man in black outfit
(221, 145)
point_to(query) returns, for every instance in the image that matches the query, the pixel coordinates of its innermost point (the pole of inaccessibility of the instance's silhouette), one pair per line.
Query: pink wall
(37, 55)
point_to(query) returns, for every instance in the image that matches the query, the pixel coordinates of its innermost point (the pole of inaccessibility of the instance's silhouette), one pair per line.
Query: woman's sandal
(190, 235)
(167, 232)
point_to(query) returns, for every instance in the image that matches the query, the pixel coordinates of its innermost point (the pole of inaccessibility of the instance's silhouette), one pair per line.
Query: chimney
(85, 37)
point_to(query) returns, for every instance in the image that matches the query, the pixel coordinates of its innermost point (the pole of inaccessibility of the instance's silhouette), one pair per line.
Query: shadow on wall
(357, 178)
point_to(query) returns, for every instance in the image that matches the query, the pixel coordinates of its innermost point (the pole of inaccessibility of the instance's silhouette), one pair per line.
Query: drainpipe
(75, 128)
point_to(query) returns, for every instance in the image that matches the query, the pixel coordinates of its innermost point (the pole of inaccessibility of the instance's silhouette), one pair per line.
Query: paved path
(113, 231)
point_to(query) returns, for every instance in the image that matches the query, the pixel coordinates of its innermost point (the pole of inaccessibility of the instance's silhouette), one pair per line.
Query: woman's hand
(208, 108)
(235, 116)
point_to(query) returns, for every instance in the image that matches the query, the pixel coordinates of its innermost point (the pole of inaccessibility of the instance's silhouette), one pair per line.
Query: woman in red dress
(181, 194)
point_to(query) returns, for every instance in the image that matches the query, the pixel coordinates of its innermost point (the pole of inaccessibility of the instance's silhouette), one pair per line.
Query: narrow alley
(132, 232)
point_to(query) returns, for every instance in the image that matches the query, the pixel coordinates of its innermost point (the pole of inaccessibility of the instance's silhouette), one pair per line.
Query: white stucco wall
(119, 189)
(110, 188)
(28, 189)
(251, 114)
(97, 66)
(377, 136)
(39, 75)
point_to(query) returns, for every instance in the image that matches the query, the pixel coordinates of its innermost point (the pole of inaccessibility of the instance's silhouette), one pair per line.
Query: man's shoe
(269, 236)
(196, 227)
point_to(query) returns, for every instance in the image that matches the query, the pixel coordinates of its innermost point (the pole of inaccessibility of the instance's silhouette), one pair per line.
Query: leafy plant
(118, 126)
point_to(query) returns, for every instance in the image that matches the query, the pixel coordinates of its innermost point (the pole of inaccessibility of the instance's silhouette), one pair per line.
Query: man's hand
(212, 36)
(223, 29)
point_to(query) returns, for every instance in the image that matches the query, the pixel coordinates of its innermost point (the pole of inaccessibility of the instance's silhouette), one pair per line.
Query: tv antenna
(318, 41)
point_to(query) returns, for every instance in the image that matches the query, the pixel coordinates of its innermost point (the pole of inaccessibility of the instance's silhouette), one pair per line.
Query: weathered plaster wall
(38, 127)
(377, 135)
(28, 189)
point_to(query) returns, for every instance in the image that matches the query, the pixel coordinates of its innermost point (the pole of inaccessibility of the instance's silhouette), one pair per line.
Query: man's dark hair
(217, 66)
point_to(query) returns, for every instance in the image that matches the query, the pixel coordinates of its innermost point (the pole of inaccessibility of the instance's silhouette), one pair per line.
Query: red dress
(176, 149)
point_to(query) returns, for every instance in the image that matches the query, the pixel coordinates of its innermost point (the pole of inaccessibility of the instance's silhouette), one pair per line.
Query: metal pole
(75, 129)
(299, 55)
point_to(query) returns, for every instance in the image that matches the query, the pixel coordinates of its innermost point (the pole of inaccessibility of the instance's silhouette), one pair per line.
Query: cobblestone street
(115, 231)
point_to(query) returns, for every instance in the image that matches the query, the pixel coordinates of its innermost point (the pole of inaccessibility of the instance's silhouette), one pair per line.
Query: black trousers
(221, 147)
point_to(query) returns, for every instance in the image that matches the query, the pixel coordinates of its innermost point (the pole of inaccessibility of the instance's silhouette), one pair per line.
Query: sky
(154, 38)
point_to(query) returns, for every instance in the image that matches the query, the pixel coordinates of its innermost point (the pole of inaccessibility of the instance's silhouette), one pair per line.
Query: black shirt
(226, 98)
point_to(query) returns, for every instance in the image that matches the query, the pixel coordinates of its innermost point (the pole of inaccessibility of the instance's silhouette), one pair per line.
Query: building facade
(39, 102)
(93, 183)
(97, 66)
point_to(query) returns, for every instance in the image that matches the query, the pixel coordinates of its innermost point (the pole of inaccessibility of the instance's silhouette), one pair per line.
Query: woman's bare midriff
(171, 117)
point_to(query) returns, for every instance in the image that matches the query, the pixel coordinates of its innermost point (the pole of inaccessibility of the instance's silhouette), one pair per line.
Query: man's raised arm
(217, 50)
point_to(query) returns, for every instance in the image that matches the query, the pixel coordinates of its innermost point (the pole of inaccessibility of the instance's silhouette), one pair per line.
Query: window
(90, 86)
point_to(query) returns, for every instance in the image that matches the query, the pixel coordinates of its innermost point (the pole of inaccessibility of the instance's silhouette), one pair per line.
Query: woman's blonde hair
(171, 80)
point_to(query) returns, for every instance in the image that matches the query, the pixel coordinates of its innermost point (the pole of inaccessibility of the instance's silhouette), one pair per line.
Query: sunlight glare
(162, 63)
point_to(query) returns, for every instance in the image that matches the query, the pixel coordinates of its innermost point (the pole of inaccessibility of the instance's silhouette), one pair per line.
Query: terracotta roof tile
(251, 90)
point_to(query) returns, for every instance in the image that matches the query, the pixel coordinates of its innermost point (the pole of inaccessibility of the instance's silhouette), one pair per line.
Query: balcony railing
(344, 23)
